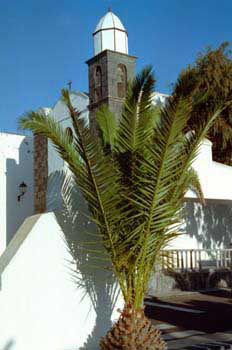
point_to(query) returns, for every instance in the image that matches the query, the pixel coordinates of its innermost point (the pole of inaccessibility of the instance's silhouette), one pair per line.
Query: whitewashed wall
(208, 226)
(41, 306)
(159, 99)
(16, 166)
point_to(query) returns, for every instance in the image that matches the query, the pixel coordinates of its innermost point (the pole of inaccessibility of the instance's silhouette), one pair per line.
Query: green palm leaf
(108, 126)
(137, 119)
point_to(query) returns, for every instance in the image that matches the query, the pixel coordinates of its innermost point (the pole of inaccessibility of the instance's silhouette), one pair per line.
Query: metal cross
(69, 83)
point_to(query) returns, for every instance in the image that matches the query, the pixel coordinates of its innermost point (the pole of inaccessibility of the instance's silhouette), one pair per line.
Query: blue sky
(46, 43)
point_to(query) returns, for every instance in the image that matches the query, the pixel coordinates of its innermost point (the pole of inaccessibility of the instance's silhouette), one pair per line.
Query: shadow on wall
(16, 173)
(54, 187)
(9, 345)
(92, 269)
(201, 280)
(211, 224)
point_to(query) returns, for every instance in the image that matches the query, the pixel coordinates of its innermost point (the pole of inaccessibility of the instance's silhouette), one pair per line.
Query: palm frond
(191, 148)
(164, 178)
(135, 124)
(37, 122)
(86, 160)
(193, 183)
(108, 125)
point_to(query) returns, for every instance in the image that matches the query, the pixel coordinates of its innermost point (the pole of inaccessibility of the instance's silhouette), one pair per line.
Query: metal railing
(197, 259)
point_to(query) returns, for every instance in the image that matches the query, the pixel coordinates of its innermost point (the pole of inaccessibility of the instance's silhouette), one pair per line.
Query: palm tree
(211, 73)
(133, 174)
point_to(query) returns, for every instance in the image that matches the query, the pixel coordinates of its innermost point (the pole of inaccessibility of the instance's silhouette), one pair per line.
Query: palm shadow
(91, 269)
(219, 293)
(9, 345)
(209, 224)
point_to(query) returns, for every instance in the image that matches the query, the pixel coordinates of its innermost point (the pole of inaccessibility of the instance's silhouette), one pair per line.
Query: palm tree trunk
(133, 331)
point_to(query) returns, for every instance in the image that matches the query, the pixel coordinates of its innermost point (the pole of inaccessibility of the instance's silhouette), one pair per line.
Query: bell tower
(110, 68)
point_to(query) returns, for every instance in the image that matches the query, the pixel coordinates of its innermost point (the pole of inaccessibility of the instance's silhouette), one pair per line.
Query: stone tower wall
(108, 61)
(40, 172)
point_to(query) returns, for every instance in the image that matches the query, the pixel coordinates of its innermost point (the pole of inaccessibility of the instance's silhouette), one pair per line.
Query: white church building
(43, 304)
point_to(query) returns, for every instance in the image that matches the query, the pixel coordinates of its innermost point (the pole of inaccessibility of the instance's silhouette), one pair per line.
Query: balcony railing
(197, 259)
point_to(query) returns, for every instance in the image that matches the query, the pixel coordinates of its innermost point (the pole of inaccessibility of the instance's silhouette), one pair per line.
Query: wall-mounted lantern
(22, 189)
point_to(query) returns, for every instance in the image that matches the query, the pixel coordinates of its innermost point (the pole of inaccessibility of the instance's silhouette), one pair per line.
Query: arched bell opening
(98, 84)
(121, 80)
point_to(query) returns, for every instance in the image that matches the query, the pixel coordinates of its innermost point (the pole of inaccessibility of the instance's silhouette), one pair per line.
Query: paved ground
(193, 318)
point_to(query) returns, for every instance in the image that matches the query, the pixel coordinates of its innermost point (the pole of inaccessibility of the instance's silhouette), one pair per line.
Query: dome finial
(110, 9)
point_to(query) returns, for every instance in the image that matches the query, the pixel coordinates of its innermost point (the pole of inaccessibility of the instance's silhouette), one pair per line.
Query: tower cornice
(105, 52)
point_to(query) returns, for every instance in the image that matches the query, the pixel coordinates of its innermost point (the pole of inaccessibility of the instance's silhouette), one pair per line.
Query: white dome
(110, 20)
(110, 34)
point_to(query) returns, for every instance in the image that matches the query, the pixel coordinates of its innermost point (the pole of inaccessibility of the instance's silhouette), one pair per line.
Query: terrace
(197, 259)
